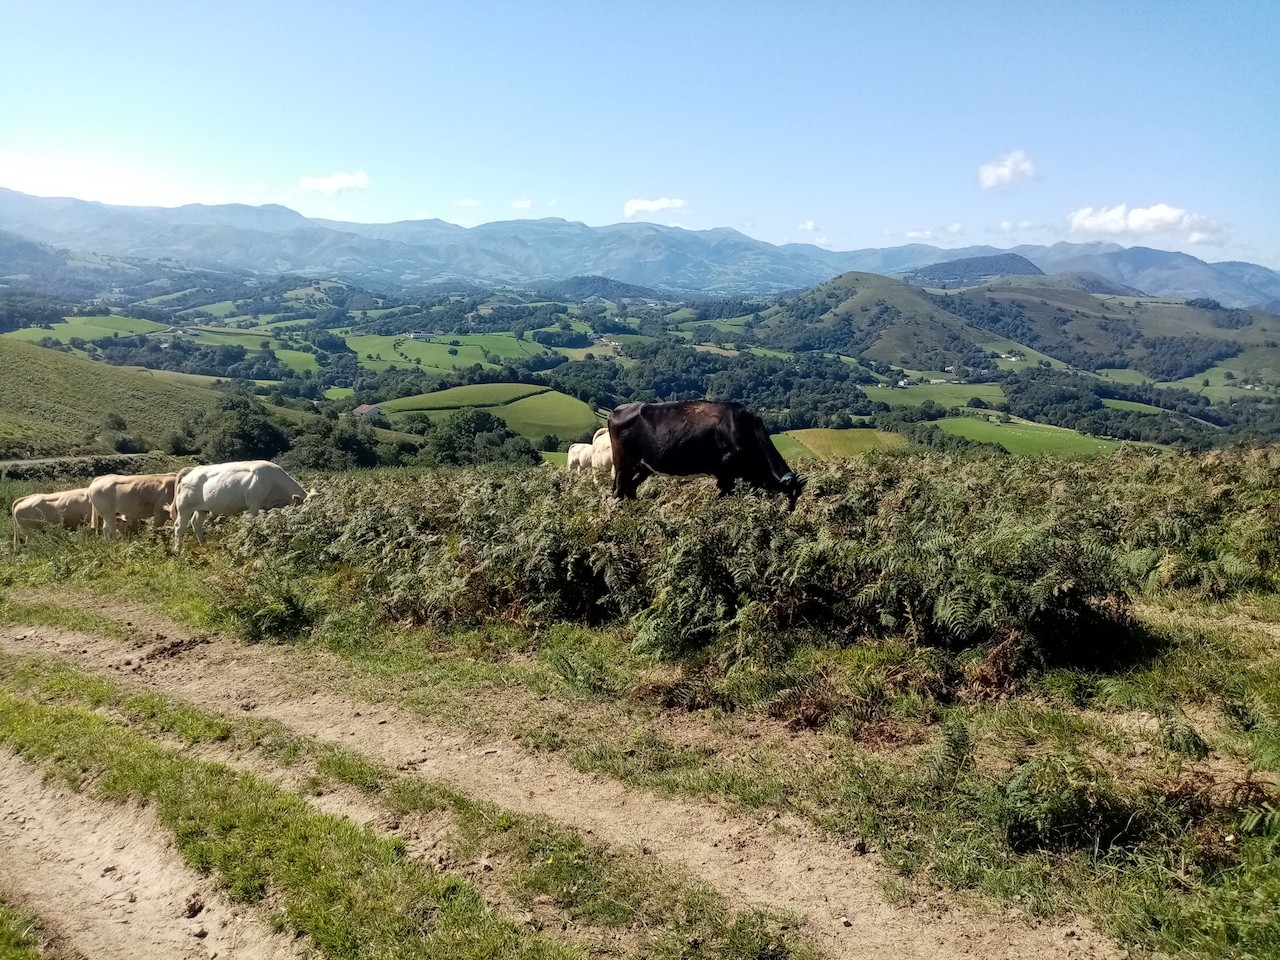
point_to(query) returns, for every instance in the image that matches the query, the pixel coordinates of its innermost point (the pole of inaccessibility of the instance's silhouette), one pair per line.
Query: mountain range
(402, 256)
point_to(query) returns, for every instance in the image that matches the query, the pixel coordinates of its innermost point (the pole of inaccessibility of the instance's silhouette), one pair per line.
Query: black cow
(725, 440)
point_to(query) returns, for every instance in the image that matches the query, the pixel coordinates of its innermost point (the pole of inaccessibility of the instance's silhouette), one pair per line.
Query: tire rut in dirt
(105, 884)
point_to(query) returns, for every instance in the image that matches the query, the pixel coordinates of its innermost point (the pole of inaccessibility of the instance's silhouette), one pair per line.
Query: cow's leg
(197, 524)
(179, 527)
(109, 528)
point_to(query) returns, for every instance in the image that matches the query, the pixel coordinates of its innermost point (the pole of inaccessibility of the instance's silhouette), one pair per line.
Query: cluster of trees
(184, 356)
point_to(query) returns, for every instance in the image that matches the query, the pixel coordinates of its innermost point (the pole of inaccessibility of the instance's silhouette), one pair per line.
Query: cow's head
(791, 487)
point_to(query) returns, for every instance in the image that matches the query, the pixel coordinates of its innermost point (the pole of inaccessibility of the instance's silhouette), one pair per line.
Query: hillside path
(786, 865)
(103, 883)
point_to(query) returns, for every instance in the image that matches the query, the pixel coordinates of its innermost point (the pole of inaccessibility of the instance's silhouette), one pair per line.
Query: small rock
(194, 905)
(845, 921)
(859, 847)
(200, 933)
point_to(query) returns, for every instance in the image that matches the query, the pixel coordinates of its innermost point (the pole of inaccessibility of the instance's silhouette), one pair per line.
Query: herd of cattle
(188, 498)
(725, 440)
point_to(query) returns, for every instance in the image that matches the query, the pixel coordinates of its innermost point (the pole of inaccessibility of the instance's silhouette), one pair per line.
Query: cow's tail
(177, 485)
(14, 512)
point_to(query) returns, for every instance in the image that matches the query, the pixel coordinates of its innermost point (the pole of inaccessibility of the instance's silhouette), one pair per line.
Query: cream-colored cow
(137, 499)
(70, 509)
(223, 489)
(579, 457)
(602, 451)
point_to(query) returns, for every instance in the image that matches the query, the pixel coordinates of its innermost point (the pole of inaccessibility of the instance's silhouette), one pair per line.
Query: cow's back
(227, 488)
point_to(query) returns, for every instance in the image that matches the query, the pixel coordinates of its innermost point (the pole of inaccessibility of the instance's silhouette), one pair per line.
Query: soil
(105, 887)
(783, 864)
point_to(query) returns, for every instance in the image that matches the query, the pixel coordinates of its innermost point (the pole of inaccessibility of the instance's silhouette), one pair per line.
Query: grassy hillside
(52, 403)
(531, 411)
(1025, 438)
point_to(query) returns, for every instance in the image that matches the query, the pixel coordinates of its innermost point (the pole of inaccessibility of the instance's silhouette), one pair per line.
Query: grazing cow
(602, 450)
(136, 499)
(725, 440)
(222, 489)
(579, 456)
(70, 509)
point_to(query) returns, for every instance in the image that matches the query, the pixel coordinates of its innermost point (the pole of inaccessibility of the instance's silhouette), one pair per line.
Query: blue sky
(849, 125)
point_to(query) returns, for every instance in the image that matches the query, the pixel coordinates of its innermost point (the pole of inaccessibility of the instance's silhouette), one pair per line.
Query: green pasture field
(167, 297)
(780, 354)
(1133, 406)
(1124, 375)
(86, 328)
(581, 353)
(532, 412)
(53, 403)
(943, 394)
(297, 360)
(551, 412)
(1027, 439)
(455, 398)
(791, 448)
(471, 349)
(837, 444)
(557, 458)
(223, 308)
(1033, 357)
(1259, 365)
(339, 393)
(187, 379)
(228, 336)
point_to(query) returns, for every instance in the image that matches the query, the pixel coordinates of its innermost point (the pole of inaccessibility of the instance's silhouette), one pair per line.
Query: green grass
(223, 308)
(1027, 439)
(835, 444)
(1133, 406)
(791, 449)
(403, 352)
(52, 403)
(1124, 375)
(947, 395)
(531, 411)
(456, 398)
(20, 937)
(86, 328)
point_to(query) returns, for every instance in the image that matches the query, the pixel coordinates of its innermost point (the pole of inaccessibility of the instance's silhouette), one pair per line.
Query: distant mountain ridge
(409, 255)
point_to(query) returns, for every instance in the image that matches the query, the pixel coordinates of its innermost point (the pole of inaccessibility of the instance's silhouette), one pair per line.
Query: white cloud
(808, 226)
(919, 234)
(466, 202)
(633, 207)
(522, 204)
(1158, 219)
(1011, 168)
(334, 183)
(1015, 226)
(955, 229)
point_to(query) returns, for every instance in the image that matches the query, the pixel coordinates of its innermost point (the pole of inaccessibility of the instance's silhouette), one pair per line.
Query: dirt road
(784, 864)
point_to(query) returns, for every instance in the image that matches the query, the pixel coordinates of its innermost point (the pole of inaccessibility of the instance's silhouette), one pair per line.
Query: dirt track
(786, 865)
(106, 888)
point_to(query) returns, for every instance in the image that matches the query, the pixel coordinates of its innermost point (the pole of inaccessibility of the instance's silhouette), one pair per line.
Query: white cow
(136, 499)
(602, 451)
(222, 489)
(579, 456)
(69, 508)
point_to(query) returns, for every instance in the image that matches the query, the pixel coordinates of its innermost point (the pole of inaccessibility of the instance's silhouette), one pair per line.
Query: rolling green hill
(531, 411)
(52, 403)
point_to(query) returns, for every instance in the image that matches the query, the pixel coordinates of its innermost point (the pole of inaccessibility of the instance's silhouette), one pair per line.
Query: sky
(846, 124)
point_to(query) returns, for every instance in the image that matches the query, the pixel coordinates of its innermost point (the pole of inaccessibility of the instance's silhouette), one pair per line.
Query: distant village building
(368, 410)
